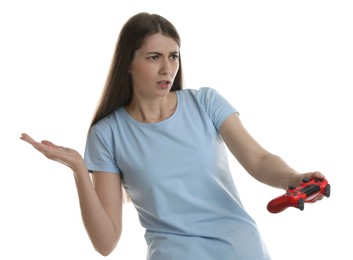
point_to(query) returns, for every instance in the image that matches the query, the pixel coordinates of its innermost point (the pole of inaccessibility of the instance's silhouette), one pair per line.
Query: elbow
(107, 247)
(105, 250)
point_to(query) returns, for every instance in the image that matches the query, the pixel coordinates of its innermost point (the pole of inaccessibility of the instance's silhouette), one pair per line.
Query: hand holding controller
(308, 192)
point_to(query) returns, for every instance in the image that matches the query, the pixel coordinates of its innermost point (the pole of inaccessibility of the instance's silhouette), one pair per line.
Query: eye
(175, 56)
(153, 57)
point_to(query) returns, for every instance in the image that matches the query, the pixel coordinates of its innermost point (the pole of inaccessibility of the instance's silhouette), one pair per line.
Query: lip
(164, 83)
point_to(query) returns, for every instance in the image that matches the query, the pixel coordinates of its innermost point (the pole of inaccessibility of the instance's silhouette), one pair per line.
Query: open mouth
(164, 83)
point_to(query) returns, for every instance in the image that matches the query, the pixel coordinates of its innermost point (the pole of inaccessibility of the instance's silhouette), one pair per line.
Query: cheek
(141, 72)
(176, 69)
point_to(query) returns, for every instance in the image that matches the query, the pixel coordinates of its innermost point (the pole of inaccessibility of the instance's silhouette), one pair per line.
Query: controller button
(291, 187)
(305, 180)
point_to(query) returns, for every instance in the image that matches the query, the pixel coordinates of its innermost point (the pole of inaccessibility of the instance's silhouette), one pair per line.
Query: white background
(285, 65)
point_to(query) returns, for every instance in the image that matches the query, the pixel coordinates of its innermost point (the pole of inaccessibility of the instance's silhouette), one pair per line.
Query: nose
(165, 67)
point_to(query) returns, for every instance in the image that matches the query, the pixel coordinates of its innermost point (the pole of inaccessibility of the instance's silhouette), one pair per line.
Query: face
(154, 66)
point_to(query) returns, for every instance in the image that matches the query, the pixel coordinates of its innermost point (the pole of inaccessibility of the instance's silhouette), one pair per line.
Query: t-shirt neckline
(129, 118)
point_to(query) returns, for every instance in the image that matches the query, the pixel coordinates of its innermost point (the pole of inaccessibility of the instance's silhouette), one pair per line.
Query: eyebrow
(158, 53)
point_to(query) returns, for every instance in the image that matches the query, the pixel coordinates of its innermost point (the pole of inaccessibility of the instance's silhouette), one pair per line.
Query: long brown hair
(117, 91)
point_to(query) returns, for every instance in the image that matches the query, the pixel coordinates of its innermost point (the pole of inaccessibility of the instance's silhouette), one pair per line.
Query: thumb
(46, 142)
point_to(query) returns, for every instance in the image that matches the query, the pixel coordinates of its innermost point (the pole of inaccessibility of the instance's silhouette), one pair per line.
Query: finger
(39, 146)
(312, 175)
(320, 197)
(318, 174)
(46, 150)
(46, 142)
(27, 138)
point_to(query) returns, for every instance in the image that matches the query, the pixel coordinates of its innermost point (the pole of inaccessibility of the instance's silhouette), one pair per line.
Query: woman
(166, 147)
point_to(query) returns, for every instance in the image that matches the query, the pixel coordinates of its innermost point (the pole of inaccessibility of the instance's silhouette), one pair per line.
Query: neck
(152, 111)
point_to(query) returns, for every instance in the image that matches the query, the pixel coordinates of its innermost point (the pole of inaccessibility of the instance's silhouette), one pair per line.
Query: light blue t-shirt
(177, 174)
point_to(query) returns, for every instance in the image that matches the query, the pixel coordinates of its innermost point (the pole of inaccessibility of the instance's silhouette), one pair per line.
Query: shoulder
(194, 91)
(202, 94)
(106, 125)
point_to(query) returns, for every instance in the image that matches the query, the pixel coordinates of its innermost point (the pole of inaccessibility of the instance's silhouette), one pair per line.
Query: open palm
(61, 154)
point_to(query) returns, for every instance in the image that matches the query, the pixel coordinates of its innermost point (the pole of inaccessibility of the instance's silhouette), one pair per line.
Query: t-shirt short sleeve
(99, 152)
(216, 106)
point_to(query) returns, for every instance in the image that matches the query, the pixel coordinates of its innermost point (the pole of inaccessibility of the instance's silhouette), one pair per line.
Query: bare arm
(100, 200)
(101, 208)
(261, 164)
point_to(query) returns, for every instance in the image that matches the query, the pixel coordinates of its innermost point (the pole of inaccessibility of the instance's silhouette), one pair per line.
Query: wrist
(79, 169)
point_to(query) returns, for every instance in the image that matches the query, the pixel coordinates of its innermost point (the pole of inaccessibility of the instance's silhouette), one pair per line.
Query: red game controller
(308, 192)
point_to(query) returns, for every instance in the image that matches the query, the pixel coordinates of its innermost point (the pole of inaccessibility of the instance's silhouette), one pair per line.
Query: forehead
(159, 42)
